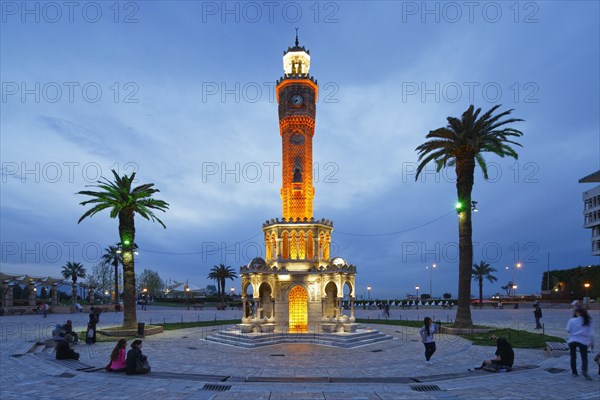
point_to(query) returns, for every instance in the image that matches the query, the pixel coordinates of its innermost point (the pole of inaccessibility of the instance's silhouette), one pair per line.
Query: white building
(591, 210)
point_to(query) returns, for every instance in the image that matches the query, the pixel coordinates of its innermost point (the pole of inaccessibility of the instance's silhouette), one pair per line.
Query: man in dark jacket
(136, 362)
(64, 350)
(537, 313)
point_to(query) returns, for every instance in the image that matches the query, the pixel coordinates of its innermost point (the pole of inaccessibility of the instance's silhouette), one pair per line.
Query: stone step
(347, 340)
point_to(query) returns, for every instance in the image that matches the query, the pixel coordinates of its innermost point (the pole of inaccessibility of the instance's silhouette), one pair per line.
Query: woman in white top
(581, 336)
(426, 333)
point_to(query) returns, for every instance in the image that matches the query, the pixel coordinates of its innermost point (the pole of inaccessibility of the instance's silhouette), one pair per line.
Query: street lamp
(517, 265)
(187, 297)
(587, 298)
(514, 288)
(417, 288)
(430, 285)
(232, 290)
(369, 292)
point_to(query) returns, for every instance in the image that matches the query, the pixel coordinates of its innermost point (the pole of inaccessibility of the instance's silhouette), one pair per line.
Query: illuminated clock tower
(297, 96)
(298, 285)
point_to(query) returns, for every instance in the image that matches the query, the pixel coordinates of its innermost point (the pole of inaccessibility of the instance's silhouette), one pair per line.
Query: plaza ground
(183, 363)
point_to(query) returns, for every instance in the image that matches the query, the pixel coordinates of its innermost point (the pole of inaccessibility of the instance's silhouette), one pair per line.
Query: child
(426, 333)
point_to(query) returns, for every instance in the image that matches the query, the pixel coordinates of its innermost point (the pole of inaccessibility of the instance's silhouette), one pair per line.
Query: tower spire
(297, 42)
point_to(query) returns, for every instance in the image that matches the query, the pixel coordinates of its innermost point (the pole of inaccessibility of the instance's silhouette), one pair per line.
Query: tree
(73, 270)
(112, 256)
(461, 144)
(508, 287)
(150, 280)
(447, 296)
(220, 274)
(124, 202)
(480, 272)
(101, 277)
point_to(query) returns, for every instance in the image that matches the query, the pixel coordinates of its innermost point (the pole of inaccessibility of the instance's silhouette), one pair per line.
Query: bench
(552, 347)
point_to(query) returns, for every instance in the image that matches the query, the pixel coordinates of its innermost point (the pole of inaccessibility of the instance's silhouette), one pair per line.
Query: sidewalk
(388, 370)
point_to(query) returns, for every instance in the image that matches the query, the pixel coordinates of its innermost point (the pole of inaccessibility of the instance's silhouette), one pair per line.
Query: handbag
(142, 367)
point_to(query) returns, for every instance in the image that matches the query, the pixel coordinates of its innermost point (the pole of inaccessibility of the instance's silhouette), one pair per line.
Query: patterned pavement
(187, 367)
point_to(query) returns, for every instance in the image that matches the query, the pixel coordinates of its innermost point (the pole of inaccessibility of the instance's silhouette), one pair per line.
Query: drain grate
(192, 348)
(426, 388)
(65, 375)
(376, 351)
(217, 388)
(555, 370)
(277, 355)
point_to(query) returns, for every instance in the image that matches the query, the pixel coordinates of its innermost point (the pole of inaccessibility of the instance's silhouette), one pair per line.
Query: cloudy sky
(182, 93)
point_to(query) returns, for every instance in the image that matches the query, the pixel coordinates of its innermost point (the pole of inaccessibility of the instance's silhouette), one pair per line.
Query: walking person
(427, 332)
(581, 336)
(537, 313)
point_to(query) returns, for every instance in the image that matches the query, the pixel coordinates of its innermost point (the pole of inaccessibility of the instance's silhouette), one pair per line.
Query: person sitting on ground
(64, 350)
(136, 362)
(118, 357)
(505, 357)
(58, 333)
(68, 328)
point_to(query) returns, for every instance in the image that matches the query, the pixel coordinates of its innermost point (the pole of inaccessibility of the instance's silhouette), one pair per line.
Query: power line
(397, 232)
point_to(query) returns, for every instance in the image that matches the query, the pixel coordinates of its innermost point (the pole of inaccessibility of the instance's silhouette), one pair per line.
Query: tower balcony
(297, 77)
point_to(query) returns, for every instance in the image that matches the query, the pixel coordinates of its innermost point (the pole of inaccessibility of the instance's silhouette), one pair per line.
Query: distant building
(591, 210)
(210, 290)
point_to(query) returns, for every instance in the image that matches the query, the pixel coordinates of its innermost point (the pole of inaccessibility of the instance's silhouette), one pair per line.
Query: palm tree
(112, 256)
(220, 274)
(123, 202)
(481, 271)
(508, 287)
(461, 144)
(73, 270)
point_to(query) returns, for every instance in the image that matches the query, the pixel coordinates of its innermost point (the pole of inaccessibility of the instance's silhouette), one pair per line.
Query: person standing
(537, 313)
(581, 336)
(427, 332)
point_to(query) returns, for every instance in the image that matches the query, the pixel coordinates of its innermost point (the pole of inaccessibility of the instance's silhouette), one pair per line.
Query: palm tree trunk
(74, 293)
(222, 284)
(117, 282)
(465, 168)
(127, 234)
(480, 292)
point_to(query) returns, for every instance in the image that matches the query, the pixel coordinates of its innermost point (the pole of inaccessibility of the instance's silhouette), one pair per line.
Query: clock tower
(297, 96)
(298, 285)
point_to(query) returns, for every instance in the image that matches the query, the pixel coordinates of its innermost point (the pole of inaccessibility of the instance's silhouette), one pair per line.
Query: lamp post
(587, 297)
(417, 288)
(232, 291)
(187, 297)
(514, 288)
(369, 292)
(430, 285)
(517, 265)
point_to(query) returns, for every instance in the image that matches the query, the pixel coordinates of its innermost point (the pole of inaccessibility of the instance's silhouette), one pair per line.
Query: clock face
(297, 138)
(297, 100)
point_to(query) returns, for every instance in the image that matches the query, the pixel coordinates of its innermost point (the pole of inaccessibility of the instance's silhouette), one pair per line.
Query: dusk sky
(182, 92)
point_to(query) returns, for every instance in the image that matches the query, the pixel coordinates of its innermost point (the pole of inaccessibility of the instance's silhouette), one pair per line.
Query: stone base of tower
(297, 288)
